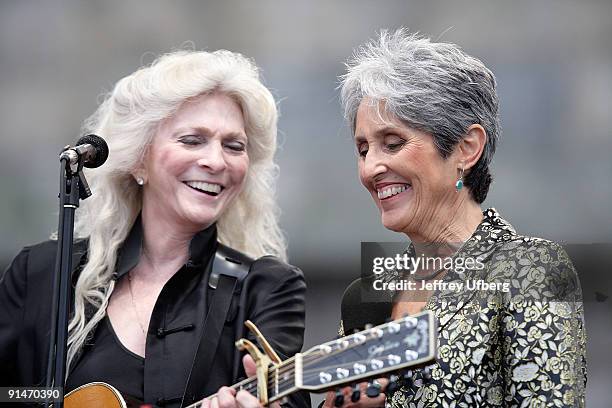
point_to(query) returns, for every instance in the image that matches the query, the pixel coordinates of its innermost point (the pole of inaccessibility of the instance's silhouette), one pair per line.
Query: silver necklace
(134, 304)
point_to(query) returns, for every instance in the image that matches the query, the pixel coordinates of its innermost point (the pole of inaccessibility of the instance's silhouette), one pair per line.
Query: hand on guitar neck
(230, 398)
(389, 350)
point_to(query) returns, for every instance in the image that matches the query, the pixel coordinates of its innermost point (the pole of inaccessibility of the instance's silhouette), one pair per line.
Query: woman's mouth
(391, 191)
(211, 189)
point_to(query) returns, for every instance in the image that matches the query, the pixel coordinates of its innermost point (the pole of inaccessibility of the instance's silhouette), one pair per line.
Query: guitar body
(97, 395)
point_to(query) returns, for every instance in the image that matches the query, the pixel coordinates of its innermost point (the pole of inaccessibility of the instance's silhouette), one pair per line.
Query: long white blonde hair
(127, 120)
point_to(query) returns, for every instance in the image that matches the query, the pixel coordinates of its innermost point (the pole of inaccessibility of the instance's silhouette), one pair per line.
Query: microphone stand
(73, 187)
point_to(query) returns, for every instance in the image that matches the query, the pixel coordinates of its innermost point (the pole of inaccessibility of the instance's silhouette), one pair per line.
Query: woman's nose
(213, 158)
(374, 164)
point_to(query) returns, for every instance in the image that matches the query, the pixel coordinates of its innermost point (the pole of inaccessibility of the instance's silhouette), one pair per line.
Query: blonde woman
(192, 139)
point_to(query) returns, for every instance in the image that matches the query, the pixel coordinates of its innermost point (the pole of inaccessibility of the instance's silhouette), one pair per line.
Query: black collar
(202, 243)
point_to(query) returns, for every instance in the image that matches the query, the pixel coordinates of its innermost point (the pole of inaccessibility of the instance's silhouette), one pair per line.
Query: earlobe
(140, 178)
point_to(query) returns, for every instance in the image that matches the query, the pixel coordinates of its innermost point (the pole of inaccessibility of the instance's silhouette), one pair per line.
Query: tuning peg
(339, 399)
(392, 386)
(373, 389)
(356, 394)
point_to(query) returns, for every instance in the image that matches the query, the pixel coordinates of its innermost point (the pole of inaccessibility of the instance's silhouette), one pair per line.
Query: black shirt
(110, 362)
(272, 296)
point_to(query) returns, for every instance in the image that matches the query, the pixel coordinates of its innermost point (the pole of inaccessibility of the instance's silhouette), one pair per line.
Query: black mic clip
(90, 151)
(72, 154)
(84, 190)
(74, 166)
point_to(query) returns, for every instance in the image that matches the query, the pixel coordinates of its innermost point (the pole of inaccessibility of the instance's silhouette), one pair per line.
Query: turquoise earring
(459, 183)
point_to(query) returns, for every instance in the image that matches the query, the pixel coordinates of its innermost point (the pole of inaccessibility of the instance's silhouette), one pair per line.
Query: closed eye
(236, 146)
(190, 140)
(395, 146)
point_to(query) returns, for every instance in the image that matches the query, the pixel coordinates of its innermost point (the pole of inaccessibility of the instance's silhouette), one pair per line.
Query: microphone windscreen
(100, 147)
(362, 305)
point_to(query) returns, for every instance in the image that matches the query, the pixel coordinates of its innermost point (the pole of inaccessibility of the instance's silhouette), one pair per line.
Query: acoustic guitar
(389, 350)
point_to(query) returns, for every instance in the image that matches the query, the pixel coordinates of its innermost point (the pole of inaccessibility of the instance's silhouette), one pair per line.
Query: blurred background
(552, 60)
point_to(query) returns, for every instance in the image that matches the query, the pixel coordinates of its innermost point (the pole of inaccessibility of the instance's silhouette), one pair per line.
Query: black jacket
(272, 296)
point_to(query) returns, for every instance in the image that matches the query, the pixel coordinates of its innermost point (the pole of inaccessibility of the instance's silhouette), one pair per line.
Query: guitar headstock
(389, 348)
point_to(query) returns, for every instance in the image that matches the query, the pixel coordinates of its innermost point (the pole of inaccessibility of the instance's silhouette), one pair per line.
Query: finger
(249, 365)
(346, 392)
(246, 400)
(214, 403)
(374, 402)
(378, 401)
(368, 402)
(329, 399)
(383, 382)
(226, 399)
(205, 403)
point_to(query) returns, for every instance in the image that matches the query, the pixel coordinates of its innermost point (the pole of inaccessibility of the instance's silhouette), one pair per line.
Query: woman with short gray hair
(424, 116)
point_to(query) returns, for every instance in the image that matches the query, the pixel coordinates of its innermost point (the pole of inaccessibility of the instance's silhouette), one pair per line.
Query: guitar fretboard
(387, 348)
(281, 382)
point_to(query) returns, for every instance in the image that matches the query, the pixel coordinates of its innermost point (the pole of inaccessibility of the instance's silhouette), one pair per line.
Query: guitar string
(273, 377)
(320, 356)
(272, 382)
(250, 384)
(316, 355)
(283, 382)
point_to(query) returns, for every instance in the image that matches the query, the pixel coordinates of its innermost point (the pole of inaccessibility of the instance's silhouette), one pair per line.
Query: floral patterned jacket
(520, 347)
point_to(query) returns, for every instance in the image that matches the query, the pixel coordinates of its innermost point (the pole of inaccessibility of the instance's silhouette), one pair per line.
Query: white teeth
(200, 185)
(390, 191)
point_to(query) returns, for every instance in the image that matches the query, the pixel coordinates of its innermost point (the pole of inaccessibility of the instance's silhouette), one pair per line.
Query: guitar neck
(281, 382)
(389, 348)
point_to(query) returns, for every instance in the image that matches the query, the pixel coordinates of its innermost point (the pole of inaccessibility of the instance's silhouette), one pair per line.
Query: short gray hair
(433, 87)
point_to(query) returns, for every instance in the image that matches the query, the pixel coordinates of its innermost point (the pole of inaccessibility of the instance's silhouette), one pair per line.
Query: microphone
(92, 149)
(361, 306)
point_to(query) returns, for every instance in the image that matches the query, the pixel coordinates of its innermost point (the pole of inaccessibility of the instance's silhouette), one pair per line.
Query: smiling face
(412, 185)
(196, 164)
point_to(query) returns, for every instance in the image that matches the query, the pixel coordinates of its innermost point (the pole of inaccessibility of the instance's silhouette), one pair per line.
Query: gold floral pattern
(522, 348)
